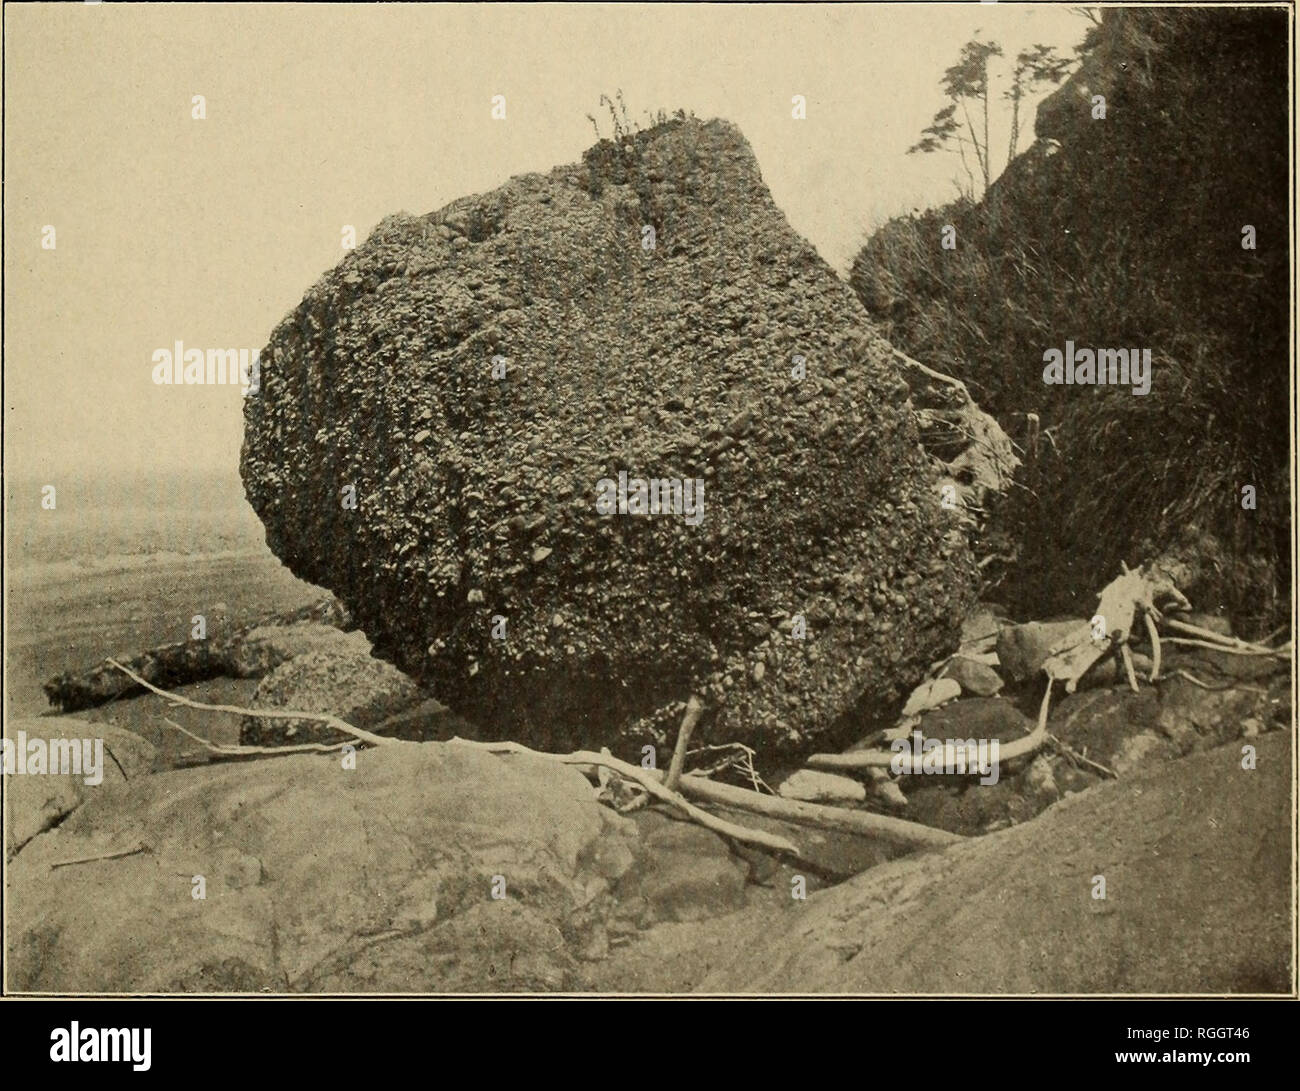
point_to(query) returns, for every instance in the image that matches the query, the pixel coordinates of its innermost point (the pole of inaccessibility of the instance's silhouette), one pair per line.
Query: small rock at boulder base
(263, 649)
(536, 351)
(357, 688)
(977, 718)
(817, 787)
(1038, 781)
(981, 624)
(974, 677)
(932, 694)
(970, 811)
(1023, 649)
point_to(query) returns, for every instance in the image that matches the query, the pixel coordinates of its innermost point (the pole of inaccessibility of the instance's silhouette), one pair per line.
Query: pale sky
(210, 231)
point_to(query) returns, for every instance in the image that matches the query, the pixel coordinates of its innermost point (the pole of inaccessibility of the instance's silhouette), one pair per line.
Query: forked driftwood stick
(896, 831)
(1127, 657)
(265, 713)
(1228, 649)
(586, 759)
(1073, 755)
(884, 759)
(1041, 729)
(1226, 643)
(1178, 672)
(239, 750)
(694, 709)
(864, 823)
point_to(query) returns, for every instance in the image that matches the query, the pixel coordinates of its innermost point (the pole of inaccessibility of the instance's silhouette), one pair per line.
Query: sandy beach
(61, 619)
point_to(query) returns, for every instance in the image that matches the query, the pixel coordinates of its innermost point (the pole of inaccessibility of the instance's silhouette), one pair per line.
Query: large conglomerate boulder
(441, 417)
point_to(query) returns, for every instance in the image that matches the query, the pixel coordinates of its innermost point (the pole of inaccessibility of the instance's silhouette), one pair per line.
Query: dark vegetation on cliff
(1127, 232)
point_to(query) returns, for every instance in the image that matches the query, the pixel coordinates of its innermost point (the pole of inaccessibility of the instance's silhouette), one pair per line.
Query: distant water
(118, 523)
(122, 564)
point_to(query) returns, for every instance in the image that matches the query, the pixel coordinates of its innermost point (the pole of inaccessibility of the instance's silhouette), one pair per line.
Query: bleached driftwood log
(894, 831)
(176, 664)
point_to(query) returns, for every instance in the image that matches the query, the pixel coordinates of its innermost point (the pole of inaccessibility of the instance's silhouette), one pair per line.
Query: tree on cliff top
(967, 84)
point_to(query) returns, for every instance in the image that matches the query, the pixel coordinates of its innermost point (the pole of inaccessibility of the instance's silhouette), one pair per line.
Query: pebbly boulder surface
(443, 421)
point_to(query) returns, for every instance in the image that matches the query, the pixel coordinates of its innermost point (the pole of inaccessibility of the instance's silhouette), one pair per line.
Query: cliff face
(480, 377)
(1192, 148)
(1127, 231)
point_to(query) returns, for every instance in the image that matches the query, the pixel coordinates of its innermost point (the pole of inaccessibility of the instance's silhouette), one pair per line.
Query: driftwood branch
(694, 709)
(179, 663)
(1226, 643)
(939, 376)
(1126, 655)
(1073, 755)
(1178, 672)
(242, 751)
(264, 713)
(586, 758)
(140, 847)
(864, 823)
(1228, 649)
(885, 759)
(649, 780)
(896, 831)
(1153, 634)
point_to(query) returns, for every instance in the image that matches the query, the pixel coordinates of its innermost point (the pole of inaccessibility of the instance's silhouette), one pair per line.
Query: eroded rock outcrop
(1197, 864)
(56, 763)
(424, 869)
(437, 417)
